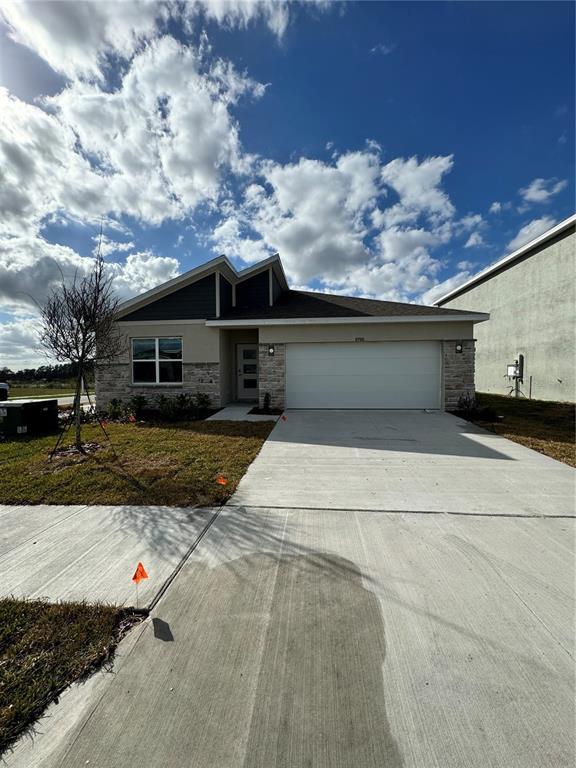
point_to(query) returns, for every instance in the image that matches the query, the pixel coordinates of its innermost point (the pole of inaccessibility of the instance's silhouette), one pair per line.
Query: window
(157, 361)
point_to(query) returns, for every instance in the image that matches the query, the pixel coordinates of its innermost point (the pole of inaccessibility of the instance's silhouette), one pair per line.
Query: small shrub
(184, 404)
(470, 409)
(267, 402)
(167, 408)
(115, 409)
(137, 404)
(467, 403)
(202, 401)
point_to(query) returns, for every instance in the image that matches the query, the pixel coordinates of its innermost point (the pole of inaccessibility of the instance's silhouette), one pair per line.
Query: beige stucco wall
(199, 343)
(532, 308)
(270, 334)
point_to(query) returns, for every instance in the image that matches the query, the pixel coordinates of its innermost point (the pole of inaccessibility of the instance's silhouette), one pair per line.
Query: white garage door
(363, 375)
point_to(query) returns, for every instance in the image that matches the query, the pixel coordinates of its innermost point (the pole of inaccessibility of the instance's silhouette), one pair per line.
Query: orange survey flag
(221, 480)
(139, 573)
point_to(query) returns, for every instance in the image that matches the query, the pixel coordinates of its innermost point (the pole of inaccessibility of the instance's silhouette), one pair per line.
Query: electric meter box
(28, 417)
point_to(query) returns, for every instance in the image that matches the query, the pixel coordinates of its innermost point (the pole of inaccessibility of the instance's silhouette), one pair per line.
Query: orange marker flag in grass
(221, 480)
(139, 573)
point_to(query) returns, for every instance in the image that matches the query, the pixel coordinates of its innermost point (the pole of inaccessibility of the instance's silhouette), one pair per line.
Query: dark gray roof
(294, 304)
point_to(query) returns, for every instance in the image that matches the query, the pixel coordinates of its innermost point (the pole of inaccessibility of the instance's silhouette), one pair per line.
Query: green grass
(174, 464)
(44, 648)
(538, 424)
(31, 392)
(43, 389)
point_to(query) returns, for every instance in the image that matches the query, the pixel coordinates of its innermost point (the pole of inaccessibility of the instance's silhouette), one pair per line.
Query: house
(237, 335)
(531, 298)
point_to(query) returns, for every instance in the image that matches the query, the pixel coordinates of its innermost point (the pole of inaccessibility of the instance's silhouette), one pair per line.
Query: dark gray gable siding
(196, 301)
(225, 295)
(276, 288)
(254, 291)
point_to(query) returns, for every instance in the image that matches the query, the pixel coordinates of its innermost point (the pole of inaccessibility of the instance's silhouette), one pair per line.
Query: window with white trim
(157, 360)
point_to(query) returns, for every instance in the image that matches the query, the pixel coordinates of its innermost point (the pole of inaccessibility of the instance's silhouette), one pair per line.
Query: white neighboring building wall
(531, 298)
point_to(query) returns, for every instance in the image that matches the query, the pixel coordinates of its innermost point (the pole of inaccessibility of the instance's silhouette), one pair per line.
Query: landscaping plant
(77, 325)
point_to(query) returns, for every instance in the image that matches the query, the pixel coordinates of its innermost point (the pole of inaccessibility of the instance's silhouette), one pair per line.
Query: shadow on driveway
(320, 699)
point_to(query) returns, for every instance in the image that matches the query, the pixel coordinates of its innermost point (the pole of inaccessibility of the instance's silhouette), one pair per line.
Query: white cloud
(75, 38)
(383, 49)
(41, 171)
(30, 267)
(529, 231)
(330, 222)
(312, 212)
(474, 241)
(471, 221)
(141, 272)
(240, 13)
(541, 190)
(440, 289)
(166, 136)
(465, 266)
(20, 344)
(80, 39)
(418, 184)
(403, 266)
(106, 246)
(496, 207)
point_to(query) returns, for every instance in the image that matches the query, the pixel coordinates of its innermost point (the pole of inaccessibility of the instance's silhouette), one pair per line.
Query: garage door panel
(363, 375)
(371, 367)
(356, 350)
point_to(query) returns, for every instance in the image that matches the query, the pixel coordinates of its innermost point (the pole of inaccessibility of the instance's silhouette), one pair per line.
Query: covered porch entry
(239, 367)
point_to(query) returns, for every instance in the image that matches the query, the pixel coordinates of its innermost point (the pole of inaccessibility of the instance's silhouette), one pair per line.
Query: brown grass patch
(44, 647)
(171, 464)
(545, 427)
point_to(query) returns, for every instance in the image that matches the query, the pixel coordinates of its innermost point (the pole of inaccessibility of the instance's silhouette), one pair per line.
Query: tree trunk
(78, 408)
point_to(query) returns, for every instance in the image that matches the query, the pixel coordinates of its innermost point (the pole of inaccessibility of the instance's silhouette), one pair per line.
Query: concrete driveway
(366, 600)
(407, 461)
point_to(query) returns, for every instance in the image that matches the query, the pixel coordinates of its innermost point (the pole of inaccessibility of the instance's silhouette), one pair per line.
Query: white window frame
(156, 360)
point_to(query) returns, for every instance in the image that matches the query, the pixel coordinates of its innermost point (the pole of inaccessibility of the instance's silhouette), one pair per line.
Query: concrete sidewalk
(90, 553)
(341, 640)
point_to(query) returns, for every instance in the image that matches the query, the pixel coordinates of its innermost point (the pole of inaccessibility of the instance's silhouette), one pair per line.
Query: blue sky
(384, 149)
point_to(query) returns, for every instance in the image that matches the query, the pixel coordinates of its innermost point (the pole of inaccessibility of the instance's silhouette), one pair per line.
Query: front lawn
(44, 648)
(543, 426)
(184, 464)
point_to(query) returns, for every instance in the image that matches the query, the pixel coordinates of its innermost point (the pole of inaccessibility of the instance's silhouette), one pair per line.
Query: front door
(247, 371)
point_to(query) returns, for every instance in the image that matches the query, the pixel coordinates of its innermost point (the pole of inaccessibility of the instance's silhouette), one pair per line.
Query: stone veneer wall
(272, 374)
(114, 381)
(458, 371)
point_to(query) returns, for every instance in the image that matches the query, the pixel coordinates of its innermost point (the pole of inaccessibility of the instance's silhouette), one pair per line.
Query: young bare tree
(78, 326)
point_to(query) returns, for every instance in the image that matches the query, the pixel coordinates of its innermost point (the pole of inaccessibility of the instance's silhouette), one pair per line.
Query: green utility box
(28, 417)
